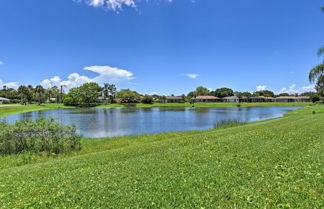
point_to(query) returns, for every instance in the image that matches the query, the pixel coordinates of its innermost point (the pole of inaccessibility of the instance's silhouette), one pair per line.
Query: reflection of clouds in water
(105, 133)
(111, 122)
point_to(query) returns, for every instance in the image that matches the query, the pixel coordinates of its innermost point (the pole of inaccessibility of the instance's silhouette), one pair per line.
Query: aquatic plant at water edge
(228, 123)
(40, 135)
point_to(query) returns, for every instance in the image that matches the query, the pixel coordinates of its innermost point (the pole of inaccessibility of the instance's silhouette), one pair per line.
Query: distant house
(173, 99)
(4, 100)
(232, 99)
(261, 99)
(207, 99)
(292, 99)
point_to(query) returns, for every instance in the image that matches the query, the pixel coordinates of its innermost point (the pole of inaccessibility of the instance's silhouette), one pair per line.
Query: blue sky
(162, 46)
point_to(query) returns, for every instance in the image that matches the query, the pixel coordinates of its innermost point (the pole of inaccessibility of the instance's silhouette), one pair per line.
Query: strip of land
(259, 104)
(276, 163)
(15, 109)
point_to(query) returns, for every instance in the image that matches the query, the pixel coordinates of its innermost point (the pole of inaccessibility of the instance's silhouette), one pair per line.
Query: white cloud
(293, 90)
(9, 84)
(193, 76)
(261, 87)
(115, 5)
(110, 73)
(1, 63)
(106, 74)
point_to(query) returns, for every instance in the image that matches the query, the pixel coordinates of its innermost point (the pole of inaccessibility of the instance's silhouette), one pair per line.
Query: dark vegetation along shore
(276, 163)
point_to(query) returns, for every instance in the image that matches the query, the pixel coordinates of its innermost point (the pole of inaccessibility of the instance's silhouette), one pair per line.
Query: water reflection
(111, 122)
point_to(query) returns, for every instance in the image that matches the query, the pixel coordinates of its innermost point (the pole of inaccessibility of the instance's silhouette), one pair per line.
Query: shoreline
(6, 110)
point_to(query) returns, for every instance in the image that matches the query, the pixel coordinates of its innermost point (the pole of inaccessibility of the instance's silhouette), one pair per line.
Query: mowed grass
(271, 164)
(14, 109)
(260, 104)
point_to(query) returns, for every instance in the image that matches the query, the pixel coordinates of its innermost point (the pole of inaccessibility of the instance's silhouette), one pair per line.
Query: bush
(315, 98)
(37, 136)
(147, 99)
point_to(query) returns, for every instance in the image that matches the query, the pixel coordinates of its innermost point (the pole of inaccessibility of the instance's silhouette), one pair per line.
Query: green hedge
(40, 135)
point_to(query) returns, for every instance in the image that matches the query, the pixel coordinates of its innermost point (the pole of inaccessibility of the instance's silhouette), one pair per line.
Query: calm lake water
(111, 122)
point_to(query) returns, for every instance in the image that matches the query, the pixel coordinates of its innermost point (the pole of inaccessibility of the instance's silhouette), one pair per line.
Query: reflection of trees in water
(202, 110)
(109, 122)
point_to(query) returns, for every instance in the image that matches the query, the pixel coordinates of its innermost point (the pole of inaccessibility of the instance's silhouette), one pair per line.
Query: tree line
(92, 94)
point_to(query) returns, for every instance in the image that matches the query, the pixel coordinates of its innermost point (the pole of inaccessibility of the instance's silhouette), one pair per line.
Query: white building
(233, 99)
(3, 100)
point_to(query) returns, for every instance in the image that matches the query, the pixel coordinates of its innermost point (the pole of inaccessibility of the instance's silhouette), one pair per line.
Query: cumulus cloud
(110, 73)
(261, 87)
(106, 74)
(9, 84)
(115, 5)
(193, 76)
(294, 90)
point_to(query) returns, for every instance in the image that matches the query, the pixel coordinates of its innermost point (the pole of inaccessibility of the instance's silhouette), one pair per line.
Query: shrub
(147, 99)
(36, 136)
(315, 98)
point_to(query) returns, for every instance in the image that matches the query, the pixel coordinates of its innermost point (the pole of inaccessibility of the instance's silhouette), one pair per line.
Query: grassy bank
(261, 104)
(14, 109)
(271, 164)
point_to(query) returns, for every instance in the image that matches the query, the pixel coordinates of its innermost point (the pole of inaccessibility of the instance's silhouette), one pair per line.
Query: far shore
(17, 108)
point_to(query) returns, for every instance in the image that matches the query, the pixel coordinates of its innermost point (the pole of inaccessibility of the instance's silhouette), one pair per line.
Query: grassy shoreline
(260, 104)
(6, 110)
(276, 163)
(15, 109)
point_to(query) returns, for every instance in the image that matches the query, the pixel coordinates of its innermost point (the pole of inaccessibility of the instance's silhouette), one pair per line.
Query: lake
(111, 122)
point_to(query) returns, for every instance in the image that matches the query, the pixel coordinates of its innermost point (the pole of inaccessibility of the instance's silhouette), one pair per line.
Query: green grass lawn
(261, 104)
(14, 109)
(276, 163)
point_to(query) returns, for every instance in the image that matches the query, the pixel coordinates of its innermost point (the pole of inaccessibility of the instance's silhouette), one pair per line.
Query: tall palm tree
(39, 90)
(106, 91)
(318, 70)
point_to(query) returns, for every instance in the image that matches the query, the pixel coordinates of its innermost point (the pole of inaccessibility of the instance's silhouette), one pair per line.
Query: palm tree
(318, 70)
(106, 91)
(39, 90)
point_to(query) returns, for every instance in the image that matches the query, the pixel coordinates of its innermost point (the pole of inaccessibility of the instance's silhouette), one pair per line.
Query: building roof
(206, 97)
(292, 97)
(4, 99)
(261, 97)
(232, 97)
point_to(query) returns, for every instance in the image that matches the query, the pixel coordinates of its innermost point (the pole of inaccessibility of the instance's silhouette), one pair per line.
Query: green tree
(316, 74)
(53, 92)
(147, 99)
(112, 92)
(223, 92)
(39, 94)
(30, 94)
(109, 92)
(89, 93)
(320, 86)
(202, 91)
(23, 92)
(265, 93)
(85, 95)
(128, 96)
(283, 95)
